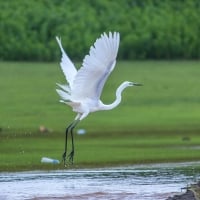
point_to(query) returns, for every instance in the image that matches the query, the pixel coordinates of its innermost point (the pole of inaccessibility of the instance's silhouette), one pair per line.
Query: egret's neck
(118, 98)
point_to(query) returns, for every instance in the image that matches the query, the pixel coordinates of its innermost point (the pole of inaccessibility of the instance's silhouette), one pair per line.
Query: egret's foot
(64, 158)
(71, 157)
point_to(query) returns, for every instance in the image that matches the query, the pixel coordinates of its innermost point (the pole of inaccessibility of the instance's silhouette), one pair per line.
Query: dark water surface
(137, 182)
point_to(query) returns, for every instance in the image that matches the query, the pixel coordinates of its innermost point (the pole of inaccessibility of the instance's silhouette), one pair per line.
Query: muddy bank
(188, 195)
(192, 193)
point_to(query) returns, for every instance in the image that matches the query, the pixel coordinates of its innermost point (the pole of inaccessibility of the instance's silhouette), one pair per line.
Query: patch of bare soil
(192, 193)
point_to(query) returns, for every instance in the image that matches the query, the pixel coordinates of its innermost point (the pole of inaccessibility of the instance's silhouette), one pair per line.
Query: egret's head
(132, 84)
(125, 85)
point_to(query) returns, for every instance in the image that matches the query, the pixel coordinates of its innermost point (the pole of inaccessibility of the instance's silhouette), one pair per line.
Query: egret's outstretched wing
(96, 67)
(66, 64)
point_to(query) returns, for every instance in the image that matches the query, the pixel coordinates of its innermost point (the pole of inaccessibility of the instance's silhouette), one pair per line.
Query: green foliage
(149, 29)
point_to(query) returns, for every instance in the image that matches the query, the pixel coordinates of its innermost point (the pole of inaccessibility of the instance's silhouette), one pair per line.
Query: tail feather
(64, 95)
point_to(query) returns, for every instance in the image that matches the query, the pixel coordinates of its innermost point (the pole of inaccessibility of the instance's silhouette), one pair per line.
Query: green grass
(24, 152)
(148, 126)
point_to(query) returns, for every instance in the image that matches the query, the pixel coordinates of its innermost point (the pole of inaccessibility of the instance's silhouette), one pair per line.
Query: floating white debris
(49, 160)
(81, 131)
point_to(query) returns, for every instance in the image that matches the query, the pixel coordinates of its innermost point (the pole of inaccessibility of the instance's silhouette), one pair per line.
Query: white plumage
(87, 83)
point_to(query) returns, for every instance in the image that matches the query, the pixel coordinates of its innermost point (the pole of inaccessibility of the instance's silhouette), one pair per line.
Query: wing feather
(96, 67)
(66, 88)
(66, 64)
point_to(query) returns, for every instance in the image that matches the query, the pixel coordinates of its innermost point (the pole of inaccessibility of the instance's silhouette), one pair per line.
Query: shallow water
(137, 182)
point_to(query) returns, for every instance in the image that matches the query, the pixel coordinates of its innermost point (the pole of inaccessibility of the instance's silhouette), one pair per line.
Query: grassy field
(158, 122)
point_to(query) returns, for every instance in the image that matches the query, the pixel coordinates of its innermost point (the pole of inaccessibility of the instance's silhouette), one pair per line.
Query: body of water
(137, 182)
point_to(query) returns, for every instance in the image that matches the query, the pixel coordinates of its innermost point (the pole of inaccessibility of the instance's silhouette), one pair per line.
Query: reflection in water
(139, 182)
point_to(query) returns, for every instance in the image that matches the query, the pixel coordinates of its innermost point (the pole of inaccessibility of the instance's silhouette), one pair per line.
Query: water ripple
(139, 182)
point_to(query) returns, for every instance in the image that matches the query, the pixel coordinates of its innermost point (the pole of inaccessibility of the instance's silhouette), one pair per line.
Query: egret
(84, 86)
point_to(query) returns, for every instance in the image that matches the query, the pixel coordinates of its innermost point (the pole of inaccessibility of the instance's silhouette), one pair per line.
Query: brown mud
(192, 193)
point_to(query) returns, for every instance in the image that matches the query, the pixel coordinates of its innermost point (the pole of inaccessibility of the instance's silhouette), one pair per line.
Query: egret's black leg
(65, 150)
(71, 155)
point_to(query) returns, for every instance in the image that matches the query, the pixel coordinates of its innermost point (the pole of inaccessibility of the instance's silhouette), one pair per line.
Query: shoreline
(192, 193)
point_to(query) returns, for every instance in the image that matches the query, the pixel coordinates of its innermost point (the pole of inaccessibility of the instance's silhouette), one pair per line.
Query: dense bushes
(149, 29)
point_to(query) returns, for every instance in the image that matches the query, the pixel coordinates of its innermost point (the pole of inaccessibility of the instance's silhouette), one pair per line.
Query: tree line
(149, 29)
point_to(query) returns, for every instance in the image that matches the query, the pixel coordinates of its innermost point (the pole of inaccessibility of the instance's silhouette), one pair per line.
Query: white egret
(83, 89)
